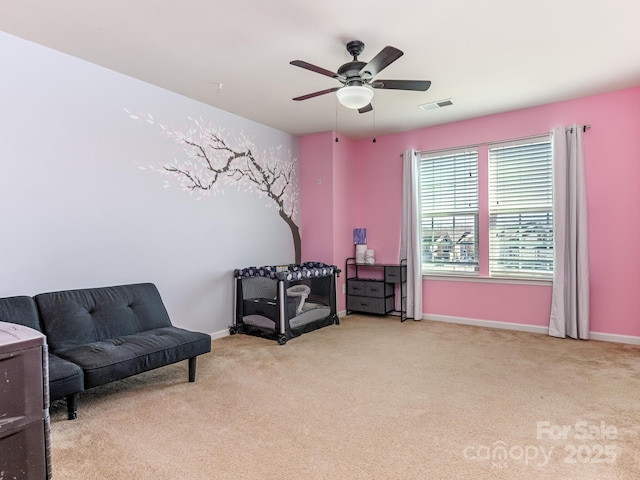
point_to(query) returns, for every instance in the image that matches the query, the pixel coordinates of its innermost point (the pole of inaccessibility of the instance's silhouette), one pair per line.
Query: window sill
(478, 279)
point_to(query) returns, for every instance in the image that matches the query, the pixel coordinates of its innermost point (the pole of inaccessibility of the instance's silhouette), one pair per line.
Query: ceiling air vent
(438, 104)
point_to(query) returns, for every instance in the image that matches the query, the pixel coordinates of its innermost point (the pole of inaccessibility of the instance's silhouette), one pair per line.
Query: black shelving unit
(371, 288)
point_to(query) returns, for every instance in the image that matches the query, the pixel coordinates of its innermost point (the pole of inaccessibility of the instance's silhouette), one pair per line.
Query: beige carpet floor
(369, 399)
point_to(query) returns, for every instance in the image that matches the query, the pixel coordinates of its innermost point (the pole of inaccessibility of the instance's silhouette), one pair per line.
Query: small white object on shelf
(369, 257)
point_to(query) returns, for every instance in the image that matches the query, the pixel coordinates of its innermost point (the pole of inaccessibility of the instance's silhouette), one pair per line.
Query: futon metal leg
(72, 406)
(192, 369)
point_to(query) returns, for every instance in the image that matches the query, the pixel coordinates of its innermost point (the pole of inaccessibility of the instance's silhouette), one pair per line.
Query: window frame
(446, 255)
(482, 273)
(520, 185)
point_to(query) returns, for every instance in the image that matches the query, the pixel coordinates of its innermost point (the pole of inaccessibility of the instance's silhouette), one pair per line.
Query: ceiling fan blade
(317, 94)
(366, 109)
(315, 68)
(382, 60)
(420, 85)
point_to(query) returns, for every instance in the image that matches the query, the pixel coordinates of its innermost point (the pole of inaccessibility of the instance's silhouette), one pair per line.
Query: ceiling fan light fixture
(354, 96)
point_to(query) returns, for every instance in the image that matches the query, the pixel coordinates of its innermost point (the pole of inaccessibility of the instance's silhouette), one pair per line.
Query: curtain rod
(570, 129)
(584, 129)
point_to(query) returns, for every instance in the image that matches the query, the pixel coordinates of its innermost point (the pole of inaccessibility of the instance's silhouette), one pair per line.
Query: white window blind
(520, 209)
(449, 207)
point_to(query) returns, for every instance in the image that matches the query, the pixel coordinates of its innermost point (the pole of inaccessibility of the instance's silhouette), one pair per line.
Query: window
(520, 209)
(486, 211)
(449, 211)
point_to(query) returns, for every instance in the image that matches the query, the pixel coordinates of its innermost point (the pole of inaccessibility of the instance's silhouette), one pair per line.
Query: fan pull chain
(337, 119)
(374, 120)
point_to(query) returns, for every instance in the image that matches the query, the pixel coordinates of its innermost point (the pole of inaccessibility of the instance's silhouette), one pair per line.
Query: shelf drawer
(393, 274)
(380, 306)
(369, 288)
(357, 287)
(378, 289)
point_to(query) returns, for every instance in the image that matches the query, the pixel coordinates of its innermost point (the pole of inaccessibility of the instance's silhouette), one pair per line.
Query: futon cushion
(75, 318)
(21, 310)
(112, 359)
(65, 377)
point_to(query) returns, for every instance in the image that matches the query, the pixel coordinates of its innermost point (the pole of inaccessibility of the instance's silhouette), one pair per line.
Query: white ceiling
(488, 56)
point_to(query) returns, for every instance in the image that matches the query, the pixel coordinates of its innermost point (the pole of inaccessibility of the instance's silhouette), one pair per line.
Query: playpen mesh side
(259, 287)
(259, 296)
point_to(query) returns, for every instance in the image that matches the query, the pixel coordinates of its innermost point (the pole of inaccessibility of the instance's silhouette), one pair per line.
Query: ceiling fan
(356, 77)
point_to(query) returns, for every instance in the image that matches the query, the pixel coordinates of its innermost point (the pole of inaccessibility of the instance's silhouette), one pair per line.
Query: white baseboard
(220, 334)
(612, 337)
(521, 327)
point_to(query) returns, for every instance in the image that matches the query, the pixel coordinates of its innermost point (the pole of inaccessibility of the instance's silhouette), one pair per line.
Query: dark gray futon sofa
(99, 335)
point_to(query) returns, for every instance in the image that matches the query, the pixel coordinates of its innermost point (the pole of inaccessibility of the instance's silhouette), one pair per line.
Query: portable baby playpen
(282, 302)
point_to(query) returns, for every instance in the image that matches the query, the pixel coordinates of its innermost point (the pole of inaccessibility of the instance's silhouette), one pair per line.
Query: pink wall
(327, 181)
(345, 191)
(316, 197)
(612, 161)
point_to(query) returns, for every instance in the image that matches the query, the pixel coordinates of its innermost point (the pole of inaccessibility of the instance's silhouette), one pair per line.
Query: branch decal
(211, 159)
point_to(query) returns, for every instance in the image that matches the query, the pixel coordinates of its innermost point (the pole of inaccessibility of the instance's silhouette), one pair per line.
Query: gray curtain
(570, 295)
(410, 232)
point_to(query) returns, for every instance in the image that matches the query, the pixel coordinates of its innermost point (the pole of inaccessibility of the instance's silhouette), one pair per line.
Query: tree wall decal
(212, 159)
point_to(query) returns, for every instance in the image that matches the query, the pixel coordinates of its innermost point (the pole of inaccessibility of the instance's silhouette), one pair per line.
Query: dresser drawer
(378, 289)
(393, 274)
(369, 288)
(380, 306)
(357, 287)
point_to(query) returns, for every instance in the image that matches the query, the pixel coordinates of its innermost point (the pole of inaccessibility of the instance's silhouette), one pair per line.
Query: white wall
(76, 209)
